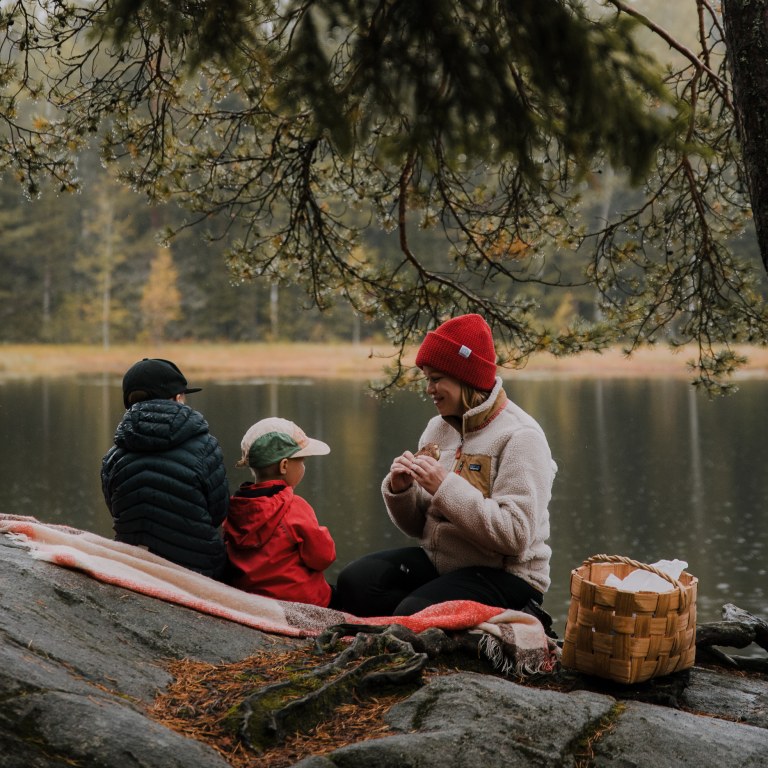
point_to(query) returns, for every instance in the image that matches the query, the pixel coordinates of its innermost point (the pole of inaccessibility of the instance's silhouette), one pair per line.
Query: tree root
(381, 658)
(739, 629)
(372, 663)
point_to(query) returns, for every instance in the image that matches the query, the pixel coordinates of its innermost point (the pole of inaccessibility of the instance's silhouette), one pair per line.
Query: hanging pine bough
(497, 142)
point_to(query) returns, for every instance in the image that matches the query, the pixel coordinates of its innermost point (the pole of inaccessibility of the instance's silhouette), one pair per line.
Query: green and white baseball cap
(270, 440)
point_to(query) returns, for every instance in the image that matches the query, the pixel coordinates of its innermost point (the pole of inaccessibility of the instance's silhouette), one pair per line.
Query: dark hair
(140, 395)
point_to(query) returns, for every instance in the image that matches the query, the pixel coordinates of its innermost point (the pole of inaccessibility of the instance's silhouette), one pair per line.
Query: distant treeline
(91, 268)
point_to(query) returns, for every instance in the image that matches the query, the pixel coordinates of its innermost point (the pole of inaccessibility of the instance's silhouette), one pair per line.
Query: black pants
(400, 582)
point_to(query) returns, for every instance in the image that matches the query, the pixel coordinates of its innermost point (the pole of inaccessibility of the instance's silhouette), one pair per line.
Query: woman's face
(445, 392)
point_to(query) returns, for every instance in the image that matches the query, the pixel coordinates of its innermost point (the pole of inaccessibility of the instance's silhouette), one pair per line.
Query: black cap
(158, 378)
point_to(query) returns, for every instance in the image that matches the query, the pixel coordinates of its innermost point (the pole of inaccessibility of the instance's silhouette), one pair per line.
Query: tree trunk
(274, 327)
(746, 39)
(106, 288)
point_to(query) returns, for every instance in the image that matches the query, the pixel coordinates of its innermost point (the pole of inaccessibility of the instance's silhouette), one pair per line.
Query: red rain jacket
(276, 546)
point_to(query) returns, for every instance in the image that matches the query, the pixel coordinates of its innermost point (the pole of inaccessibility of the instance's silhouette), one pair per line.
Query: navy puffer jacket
(165, 484)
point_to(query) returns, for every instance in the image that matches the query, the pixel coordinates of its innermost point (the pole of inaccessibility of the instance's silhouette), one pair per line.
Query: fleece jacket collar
(479, 417)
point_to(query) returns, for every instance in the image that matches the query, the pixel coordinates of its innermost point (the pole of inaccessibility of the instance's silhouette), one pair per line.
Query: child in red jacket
(275, 545)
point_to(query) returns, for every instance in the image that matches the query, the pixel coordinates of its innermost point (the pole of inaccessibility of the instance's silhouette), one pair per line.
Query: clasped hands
(424, 470)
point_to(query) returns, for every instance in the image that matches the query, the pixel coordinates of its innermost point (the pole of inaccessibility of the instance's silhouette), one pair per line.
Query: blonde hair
(471, 397)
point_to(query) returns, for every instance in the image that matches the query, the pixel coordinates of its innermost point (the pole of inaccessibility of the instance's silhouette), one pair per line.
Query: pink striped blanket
(513, 640)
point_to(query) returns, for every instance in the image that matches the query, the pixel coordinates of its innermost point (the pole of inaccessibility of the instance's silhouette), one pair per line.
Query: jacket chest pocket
(476, 469)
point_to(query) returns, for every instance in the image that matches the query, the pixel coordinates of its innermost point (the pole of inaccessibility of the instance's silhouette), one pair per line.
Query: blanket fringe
(520, 664)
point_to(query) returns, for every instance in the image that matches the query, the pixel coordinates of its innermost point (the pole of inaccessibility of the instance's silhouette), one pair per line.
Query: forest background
(92, 268)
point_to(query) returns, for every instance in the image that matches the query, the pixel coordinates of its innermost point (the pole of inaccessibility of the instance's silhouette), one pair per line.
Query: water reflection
(648, 469)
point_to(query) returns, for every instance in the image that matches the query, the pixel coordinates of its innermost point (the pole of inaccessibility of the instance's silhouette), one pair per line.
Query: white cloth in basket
(645, 581)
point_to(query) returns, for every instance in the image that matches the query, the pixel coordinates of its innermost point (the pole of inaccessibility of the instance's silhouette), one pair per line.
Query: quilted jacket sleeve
(215, 483)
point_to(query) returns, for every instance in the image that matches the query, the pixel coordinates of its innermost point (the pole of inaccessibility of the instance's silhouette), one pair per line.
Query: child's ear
(283, 466)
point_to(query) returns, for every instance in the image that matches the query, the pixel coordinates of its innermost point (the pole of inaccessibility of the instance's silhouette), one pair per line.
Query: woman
(480, 511)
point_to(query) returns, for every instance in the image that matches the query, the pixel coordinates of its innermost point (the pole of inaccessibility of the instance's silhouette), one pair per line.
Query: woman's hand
(400, 475)
(425, 470)
(428, 473)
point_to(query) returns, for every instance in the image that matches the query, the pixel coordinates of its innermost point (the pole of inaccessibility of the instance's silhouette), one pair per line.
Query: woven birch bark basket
(628, 637)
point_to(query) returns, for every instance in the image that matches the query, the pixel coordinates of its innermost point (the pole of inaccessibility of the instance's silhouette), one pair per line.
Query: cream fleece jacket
(493, 507)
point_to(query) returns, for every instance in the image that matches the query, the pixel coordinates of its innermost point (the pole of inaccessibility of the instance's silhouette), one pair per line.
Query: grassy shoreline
(363, 361)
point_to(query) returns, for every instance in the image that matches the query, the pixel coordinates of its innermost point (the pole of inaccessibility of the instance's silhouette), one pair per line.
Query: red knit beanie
(462, 348)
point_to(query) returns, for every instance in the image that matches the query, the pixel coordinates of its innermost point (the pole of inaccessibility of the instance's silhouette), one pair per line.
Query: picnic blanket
(513, 640)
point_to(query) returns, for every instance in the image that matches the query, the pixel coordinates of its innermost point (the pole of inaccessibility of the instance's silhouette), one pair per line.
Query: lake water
(648, 469)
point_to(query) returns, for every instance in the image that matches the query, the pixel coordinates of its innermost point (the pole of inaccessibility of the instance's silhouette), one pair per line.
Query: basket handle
(636, 564)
